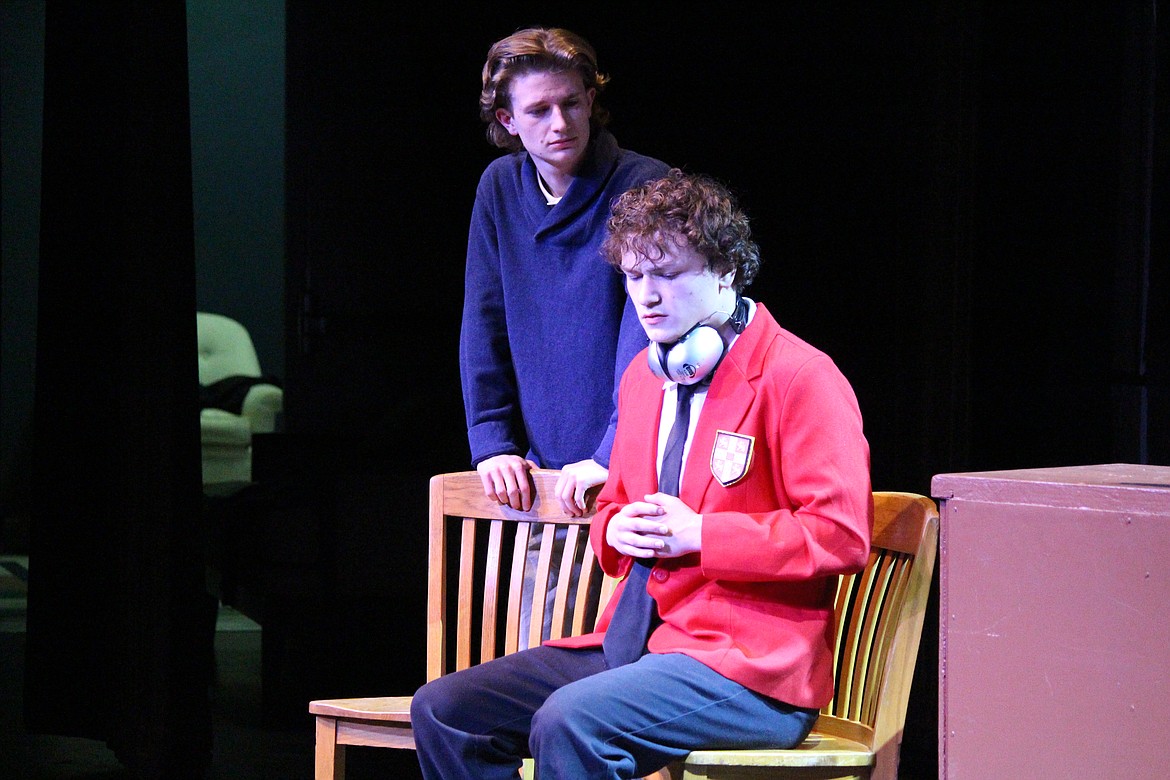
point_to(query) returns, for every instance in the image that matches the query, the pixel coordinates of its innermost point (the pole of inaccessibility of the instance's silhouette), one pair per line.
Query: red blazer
(783, 515)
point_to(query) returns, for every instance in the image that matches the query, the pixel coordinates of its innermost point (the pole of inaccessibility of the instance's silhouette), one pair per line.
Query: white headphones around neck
(697, 352)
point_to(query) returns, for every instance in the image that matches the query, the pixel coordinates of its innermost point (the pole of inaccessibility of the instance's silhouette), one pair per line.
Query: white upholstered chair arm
(261, 405)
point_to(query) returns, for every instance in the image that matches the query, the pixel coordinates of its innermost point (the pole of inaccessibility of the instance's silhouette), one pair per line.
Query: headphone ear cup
(688, 360)
(695, 355)
(656, 360)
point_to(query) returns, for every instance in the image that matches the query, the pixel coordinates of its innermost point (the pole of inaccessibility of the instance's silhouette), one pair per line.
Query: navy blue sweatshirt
(547, 329)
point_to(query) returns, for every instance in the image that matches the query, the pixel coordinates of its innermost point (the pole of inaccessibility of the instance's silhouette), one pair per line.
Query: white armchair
(228, 366)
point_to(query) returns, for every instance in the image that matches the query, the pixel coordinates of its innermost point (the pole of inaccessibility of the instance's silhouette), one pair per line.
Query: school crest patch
(731, 456)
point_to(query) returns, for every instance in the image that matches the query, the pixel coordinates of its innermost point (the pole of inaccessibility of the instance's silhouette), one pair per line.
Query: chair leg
(329, 757)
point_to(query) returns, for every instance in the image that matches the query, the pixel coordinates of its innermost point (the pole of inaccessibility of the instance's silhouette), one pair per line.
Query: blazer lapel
(642, 421)
(732, 392)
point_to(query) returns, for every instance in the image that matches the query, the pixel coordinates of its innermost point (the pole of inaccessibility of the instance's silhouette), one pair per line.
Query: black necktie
(672, 457)
(636, 613)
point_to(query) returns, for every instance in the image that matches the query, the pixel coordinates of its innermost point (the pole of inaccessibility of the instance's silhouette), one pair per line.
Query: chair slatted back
(876, 623)
(483, 547)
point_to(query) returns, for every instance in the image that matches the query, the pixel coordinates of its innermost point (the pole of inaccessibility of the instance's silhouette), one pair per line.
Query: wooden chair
(879, 616)
(879, 624)
(479, 549)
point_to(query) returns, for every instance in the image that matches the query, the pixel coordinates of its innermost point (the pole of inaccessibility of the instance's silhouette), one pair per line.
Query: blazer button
(659, 574)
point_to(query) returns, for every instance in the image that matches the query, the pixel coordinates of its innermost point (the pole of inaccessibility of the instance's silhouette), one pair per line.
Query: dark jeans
(579, 719)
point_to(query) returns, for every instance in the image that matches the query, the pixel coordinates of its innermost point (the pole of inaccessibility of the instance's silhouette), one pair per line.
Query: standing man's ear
(504, 117)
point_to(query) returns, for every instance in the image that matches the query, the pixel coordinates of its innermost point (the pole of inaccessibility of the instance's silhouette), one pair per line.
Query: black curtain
(119, 620)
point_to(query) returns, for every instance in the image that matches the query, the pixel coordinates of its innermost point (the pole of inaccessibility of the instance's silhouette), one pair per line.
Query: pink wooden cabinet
(1054, 619)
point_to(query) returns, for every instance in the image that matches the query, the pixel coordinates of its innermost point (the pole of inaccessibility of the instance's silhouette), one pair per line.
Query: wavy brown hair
(535, 50)
(689, 210)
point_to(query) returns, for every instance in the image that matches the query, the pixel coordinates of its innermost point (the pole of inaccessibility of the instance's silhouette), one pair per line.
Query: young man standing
(729, 534)
(546, 327)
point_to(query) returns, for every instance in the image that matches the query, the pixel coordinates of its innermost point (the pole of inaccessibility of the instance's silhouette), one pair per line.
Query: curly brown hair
(540, 50)
(687, 209)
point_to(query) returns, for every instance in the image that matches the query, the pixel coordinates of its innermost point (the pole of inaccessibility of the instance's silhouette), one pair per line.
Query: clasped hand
(660, 526)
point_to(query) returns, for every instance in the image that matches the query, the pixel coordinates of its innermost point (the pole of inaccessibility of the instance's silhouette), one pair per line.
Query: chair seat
(371, 722)
(227, 447)
(816, 750)
(380, 708)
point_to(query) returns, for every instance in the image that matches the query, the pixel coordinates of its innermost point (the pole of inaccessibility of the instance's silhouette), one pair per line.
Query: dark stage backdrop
(960, 201)
(953, 199)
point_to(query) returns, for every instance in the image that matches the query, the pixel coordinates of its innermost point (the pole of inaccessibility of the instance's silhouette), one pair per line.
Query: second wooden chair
(475, 593)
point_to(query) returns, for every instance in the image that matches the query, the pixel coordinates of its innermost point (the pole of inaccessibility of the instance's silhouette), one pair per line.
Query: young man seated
(738, 490)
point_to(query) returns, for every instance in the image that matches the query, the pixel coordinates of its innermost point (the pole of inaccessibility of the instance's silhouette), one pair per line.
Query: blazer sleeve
(615, 494)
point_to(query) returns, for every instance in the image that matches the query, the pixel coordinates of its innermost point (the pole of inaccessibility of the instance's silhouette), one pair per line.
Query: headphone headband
(739, 315)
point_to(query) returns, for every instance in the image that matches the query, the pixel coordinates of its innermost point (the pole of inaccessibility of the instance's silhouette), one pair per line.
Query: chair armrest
(220, 427)
(261, 405)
